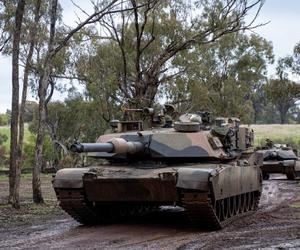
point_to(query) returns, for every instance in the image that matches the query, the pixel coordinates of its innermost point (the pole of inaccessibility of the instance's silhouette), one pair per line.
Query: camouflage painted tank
(210, 171)
(279, 158)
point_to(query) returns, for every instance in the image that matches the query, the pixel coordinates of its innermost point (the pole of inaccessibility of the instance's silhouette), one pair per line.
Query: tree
(223, 77)
(138, 58)
(33, 13)
(27, 69)
(14, 177)
(283, 94)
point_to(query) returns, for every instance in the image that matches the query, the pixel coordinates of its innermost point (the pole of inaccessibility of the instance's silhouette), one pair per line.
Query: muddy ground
(276, 225)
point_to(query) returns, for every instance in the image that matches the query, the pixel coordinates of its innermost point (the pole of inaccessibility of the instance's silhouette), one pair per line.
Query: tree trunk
(32, 38)
(282, 117)
(36, 182)
(14, 175)
(283, 111)
(42, 93)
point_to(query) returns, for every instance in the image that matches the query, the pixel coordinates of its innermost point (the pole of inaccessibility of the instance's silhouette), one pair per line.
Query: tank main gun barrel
(92, 147)
(116, 145)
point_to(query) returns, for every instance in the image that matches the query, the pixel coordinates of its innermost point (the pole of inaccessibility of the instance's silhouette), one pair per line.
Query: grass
(6, 131)
(29, 213)
(27, 176)
(288, 134)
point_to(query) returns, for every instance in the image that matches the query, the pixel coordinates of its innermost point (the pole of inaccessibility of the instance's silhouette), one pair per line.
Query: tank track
(203, 211)
(73, 202)
(199, 207)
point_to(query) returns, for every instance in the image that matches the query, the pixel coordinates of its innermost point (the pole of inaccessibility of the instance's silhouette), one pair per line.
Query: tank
(211, 171)
(279, 158)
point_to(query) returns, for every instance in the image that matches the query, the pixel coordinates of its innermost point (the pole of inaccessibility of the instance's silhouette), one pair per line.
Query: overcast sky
(283, 31)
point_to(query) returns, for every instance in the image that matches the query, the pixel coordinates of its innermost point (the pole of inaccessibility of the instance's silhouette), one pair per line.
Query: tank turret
(209, 169)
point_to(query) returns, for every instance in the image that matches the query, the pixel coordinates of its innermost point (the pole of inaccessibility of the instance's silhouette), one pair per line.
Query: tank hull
(292, 171)
(212, 194)
(283, 161)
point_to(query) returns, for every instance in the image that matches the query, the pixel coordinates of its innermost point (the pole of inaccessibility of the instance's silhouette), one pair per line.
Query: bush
(29, 151)
(3, 138)
(4, 119)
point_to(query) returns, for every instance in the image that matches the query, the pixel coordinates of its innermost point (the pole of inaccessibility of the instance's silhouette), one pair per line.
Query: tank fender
(235, 180)
(288, 163)
(297, 166)
(69, 178)
(193, 178)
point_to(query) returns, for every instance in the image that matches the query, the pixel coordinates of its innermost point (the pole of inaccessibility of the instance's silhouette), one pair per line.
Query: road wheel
(239, 203)
(252, 200)
(231, 206)
(244, 202)
(218, 209)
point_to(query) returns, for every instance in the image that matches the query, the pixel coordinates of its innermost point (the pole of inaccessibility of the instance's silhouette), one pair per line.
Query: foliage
(30, 108)
(283, 94)
(4, 119)
(147, 48)
(5, 132)
(29, 151)
(73, 119)
(225, 75)
(3, 138)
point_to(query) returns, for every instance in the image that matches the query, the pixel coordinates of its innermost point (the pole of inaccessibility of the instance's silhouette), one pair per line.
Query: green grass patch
(6, 131)
(287, 134)
(27, 176)
(3, 178)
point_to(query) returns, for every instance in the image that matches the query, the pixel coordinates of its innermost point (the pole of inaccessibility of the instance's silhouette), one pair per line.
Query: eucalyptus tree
(14, 174)
(29, 47)
(284, 91)
(283, 94)
(224, 77)
(139, 55)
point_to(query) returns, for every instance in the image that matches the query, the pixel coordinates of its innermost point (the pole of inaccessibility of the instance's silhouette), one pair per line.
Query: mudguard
(194, 178)
(297, 166)
(69, 178)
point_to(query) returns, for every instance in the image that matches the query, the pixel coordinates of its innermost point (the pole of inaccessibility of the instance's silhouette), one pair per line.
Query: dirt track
(276, 225)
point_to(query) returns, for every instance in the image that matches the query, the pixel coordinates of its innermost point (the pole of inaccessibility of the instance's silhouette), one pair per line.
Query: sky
(283, 31)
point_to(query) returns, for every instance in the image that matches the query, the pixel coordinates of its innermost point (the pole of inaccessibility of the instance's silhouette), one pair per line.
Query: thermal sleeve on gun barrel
(92, 147)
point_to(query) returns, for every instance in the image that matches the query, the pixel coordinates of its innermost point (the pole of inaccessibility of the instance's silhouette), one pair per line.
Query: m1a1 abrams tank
(210, 171)
(279, 158)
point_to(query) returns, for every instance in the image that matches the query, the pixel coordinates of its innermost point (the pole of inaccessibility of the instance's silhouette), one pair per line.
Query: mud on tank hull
(211, 194)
